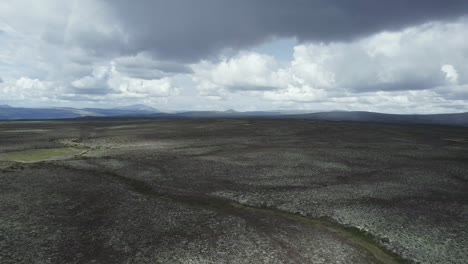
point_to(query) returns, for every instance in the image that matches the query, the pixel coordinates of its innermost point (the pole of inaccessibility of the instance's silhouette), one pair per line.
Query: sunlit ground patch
(36, 155)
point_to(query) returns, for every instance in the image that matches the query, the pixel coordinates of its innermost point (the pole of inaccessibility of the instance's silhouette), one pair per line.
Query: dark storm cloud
(187, 30)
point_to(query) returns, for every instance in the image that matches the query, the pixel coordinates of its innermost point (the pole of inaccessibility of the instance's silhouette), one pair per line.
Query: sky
(395, 56)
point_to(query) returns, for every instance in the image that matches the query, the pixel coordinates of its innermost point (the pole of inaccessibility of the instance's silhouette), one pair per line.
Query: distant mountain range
(17, 113)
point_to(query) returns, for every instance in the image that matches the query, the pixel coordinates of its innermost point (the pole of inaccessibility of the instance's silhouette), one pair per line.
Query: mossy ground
(36, 155)
(232, 191)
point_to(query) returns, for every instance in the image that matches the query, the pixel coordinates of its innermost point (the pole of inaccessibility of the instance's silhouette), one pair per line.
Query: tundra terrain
(232, 191)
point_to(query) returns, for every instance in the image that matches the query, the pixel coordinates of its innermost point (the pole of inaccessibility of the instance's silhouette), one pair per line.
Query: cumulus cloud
(189, 30)
(104, 84)
(26, 88)
(349, 54)
(409, 59)
(96, 83)
(451, 73)
(59, 44)
(245, 72)
(105, 80)
(390, 66)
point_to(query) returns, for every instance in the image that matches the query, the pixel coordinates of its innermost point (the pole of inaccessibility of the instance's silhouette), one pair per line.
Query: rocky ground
(232, 191)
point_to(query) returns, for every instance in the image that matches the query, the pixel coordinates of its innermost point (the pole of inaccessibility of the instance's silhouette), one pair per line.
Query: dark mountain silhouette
(142, 111)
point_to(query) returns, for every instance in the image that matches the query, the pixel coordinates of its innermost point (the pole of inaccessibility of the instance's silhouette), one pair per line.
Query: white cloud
(107, 80)
(388, 71)
(384, 44)
(96, 81)
(26, 88)
(451, 73)
(255, 73)
(307, 67)
(406, 60)
(132, 87)
(47, 52)
(245, 72)
(72, 51)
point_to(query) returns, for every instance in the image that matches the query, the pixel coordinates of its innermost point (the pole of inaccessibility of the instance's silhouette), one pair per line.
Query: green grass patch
(36, 155)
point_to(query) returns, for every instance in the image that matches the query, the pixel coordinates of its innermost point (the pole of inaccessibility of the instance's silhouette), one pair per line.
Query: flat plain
(232, 191)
